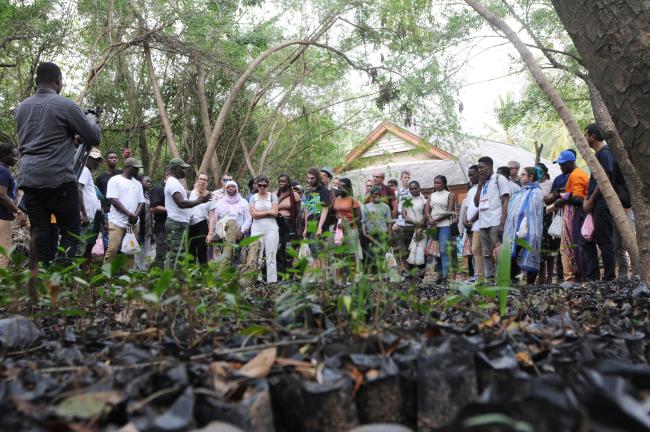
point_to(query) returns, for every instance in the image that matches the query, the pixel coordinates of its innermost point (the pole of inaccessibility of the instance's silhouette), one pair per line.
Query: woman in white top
(198, 230)
(264, 211)
(440, 213)
(413, 213)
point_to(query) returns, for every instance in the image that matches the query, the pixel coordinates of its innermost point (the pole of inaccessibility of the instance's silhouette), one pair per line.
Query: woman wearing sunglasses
(264, 211)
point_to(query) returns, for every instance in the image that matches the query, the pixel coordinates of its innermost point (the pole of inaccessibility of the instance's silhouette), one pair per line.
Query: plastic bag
(304, 251)
(338, 234)
(587, 230)
(417, 250)
(522, 232)
(555, 230)
(130, 243)
(393, 268)
(98, 248)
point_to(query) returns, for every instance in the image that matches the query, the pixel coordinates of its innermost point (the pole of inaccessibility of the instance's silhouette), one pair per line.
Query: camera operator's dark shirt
(46, 123)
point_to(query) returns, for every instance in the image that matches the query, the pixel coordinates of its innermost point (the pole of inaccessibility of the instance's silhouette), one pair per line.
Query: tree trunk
(613, 202)
(215, 165)
(612, 39)
(632, 178)
(135, 107)
(164, 118)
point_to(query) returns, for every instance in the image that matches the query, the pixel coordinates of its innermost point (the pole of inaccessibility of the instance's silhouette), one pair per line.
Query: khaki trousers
(5, 242)
(477, 253)
(115, 236)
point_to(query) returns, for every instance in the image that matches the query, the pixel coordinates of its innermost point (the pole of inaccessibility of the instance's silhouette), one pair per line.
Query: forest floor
(573, 360)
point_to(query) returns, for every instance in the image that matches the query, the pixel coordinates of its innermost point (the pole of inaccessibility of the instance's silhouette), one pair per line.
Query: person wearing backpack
(606, 234)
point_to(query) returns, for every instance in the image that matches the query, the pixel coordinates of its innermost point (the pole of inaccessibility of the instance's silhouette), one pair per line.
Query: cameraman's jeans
(63, 203)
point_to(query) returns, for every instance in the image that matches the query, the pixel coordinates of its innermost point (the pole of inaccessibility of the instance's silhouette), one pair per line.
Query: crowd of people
(392, 223)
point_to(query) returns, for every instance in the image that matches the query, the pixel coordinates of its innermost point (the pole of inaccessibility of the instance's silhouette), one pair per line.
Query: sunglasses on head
(226, 179)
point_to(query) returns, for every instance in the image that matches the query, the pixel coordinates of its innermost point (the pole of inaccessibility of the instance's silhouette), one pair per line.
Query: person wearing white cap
(127, 201)
(89, 204)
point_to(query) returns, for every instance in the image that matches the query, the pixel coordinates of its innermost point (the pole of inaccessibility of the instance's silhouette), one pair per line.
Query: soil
(573, 360)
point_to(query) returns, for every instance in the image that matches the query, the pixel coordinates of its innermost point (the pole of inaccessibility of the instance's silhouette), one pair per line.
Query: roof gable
(411, 140)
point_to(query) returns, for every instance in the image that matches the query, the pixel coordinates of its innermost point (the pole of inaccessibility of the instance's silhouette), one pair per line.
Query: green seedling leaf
(117, 264)
(163, 283)
(497, 419)
(347, 301)
(88, 405)
(249, 241)
(503, 274)
(257, 330)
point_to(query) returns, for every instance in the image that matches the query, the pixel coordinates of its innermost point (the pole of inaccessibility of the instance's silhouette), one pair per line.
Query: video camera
(81, 154)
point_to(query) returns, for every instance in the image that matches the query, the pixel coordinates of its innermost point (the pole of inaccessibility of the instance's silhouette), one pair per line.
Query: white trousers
(268, 228)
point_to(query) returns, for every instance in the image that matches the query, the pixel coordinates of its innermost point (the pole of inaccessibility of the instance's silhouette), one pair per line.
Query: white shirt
(200, 212)
(439, 203)
(514, 188)
(240, 212)
(91, 202)
(128, 192)
(472, 209)
(174, 212)
(489, 208)
(264, 204)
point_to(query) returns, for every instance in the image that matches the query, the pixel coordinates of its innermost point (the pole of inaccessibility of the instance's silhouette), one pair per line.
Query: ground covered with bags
(557, 361)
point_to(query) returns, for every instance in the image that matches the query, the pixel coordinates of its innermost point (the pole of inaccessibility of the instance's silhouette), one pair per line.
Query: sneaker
(472, 279)
(567, 284)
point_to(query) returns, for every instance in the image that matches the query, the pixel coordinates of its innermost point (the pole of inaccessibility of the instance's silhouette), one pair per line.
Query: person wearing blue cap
(571, 201)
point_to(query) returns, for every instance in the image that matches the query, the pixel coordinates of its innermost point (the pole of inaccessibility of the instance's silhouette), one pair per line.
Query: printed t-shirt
(489, 205)
(174, 212)
(376, 217)
(7, 180)
(91, 202)
(315, 200)
(128, 192)
(577, 183)
(344, 208)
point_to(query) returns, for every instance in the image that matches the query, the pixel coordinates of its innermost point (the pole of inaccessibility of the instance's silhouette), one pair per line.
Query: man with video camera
(49, 127)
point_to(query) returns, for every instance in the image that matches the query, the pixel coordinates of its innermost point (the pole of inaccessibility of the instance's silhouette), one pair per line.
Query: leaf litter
(581, 355)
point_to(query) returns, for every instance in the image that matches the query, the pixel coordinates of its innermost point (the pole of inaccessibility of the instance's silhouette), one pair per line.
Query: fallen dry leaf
(493, 321)
(372, 374)
(524, 358)
(306, 369)
(260, 365)
(356, 376)
(151, 332)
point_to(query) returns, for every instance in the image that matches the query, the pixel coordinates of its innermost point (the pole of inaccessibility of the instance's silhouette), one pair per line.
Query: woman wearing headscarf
(198, 229)
(524, 222)
(229, 219)
(288, 218)
(413, 213)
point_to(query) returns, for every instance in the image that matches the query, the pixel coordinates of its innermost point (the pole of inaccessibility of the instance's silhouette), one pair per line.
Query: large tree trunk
(164, 118)
(215, 165)
(612, 39)
(620, 218)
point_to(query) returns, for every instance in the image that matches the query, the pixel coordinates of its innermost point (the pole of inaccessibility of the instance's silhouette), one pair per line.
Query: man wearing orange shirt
(571, 200)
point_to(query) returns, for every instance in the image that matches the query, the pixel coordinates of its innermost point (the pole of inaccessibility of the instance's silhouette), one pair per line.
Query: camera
(81, 154)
